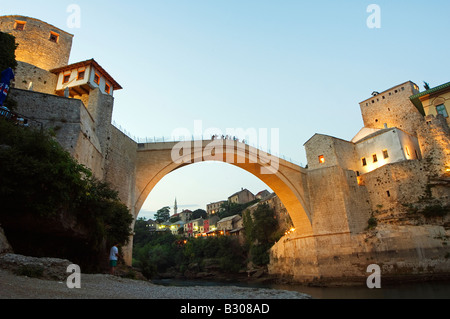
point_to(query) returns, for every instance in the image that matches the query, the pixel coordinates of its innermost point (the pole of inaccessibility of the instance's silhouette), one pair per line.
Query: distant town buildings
(213, 225)
(213, 208)
(242, 197)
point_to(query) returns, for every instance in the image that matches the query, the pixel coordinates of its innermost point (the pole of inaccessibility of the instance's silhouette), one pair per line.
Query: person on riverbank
(113, 258)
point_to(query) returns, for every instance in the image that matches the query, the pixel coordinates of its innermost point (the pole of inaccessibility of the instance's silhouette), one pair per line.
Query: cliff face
(61, 236)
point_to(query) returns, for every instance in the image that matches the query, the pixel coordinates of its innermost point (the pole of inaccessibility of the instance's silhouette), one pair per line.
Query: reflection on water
(429, 290)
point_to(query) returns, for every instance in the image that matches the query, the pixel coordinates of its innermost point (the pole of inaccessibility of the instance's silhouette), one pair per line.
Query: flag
(5, 81)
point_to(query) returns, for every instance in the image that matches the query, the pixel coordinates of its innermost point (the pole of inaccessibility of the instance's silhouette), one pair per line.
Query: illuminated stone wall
(36, 45)
(31, 77)
(394, 108)
(334, 151)
(434, 140)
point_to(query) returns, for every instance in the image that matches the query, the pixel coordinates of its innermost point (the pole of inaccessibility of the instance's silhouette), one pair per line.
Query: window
(385, 154)
(375, 158)
(107, 88)
(364, 161)
(66, 78)
(321, 159)
(54, 37)
(81, 74)
(97, 79)
(388, 193)
(407, 150)
(19, 25)
(440, 109)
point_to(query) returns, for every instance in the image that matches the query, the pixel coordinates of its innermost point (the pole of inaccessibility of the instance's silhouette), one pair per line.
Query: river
(421, 290)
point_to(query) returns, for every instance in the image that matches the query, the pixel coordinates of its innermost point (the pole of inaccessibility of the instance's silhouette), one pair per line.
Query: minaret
(175, 207)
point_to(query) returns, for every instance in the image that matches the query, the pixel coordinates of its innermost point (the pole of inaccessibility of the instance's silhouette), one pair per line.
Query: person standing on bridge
(113, 258)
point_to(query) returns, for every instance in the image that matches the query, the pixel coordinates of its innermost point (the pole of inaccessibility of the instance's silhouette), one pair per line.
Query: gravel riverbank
(100, 286)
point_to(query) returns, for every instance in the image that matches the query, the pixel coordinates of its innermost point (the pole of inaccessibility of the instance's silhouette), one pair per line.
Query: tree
(7, 51)
(162, 215)
(264, 225)
(199, 213)
(260, 231)
(44, 189)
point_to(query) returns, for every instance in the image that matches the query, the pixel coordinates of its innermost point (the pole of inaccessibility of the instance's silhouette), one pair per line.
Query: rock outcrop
(5, 247)
(44, 268)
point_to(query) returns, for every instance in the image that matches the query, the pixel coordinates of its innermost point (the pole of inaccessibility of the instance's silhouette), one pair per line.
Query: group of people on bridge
(226, 137)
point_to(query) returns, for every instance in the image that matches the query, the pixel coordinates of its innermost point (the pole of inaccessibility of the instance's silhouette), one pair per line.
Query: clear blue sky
(299, 66)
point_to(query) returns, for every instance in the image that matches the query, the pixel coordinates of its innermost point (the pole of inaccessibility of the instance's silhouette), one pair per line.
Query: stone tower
(392, 108)
(40, 44)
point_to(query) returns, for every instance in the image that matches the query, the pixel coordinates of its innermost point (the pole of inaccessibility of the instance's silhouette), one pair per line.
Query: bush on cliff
(51, 205)
(7, 51)
(261, 232)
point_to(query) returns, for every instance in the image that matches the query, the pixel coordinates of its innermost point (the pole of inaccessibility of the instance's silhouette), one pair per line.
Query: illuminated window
(321, 159)
(81, 75)
(97, 79)
(66, 78)
(107, 88)
(385, 154)
(407, 150)
(19, 25)
(440, 109)
(364, 161)
(375, 158)
(54, 37)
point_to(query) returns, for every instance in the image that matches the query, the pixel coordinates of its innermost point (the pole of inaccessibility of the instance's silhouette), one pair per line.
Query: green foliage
(261, 233)
(224, 249)
(372, 223)
(434, 211)
(39, 178)
(7, 51)
(162, 215)
(230, 209)
(141, 233)
(429, 211)
(157, 252)
(199, 213)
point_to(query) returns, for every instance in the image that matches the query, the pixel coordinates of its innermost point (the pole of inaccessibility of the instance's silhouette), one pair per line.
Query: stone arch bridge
(287, 180)
(319, 202)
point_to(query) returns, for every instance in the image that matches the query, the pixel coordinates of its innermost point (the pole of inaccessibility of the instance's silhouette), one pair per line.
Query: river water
(422, 290)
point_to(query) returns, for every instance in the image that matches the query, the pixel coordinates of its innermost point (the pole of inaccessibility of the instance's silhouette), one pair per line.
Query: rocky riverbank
(52, 285)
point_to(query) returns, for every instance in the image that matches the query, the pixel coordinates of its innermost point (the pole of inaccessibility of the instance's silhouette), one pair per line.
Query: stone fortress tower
(83, 124)
(399, 159)
(40, 44)
(75, 101)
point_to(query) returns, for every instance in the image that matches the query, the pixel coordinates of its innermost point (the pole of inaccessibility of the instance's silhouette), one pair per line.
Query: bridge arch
(287, 180)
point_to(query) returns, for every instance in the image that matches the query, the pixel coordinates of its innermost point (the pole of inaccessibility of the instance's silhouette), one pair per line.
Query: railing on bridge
(175, 139)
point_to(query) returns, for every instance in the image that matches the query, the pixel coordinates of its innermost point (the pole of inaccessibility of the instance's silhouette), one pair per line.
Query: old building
(242, 197)
(434, 101)
(194, 227)
(229, 225)
(213, 208)
(43, 75)
(262, 194)
(210, 224)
